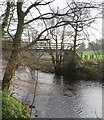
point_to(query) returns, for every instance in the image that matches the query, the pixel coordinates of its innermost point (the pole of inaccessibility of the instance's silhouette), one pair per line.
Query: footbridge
(39, 47)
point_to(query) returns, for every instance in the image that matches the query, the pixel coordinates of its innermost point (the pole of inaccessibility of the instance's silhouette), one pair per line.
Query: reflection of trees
(58, 80)
(65, 85)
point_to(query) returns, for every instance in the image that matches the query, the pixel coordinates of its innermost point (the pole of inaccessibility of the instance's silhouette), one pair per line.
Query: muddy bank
(46, 66)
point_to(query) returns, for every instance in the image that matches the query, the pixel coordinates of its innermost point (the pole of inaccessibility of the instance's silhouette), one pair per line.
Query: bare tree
(24, 17)
(57, 39)
(21, 23)
(11, 66)
(82, 19)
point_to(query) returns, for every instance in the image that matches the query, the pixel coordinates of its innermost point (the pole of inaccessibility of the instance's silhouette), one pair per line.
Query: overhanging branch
(36, 4)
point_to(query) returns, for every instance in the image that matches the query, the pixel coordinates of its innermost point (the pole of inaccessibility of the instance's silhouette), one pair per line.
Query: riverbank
(88, 70)
(13, 105)
(46, 66)
(57, 97)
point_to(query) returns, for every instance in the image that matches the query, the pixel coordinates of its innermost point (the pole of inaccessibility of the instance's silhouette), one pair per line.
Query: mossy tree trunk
(6, 16)
(11, 66)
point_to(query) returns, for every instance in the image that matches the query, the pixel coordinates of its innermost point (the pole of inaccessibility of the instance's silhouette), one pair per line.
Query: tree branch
(38, 38)
(36, 4)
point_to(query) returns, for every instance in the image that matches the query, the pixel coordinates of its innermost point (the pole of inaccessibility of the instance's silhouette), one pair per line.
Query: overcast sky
(96, 30)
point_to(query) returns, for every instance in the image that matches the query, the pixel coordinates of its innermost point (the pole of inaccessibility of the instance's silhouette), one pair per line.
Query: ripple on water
(58, 98)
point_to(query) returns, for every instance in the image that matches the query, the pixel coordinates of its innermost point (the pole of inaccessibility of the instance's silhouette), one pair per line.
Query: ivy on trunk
(11, 66)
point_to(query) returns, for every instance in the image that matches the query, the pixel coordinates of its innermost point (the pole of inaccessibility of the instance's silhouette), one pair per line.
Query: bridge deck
(38, 47)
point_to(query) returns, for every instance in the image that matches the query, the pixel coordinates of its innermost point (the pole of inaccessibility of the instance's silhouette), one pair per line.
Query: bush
(90, 73)
(12, 108)
(46, 66)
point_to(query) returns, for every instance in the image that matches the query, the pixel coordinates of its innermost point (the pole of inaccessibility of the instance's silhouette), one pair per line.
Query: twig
(34, 96)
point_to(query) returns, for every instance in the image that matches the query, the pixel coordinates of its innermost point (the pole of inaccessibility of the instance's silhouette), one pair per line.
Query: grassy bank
(89, 70)
(90, 54)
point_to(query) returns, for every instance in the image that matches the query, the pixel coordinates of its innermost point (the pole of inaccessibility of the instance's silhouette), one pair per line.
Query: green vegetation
(97, 55)
(12, 108)
(90, 73)
(89, 69)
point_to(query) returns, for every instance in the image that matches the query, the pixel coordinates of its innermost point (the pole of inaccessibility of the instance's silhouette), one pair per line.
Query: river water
(58, 97)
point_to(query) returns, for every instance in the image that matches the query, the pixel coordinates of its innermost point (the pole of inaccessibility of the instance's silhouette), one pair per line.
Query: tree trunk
(5, 19)
(11, 66)
(10, 70)
(75, 39)
(58, 69)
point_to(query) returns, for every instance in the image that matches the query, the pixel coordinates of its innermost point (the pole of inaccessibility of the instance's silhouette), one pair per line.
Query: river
(58, 97)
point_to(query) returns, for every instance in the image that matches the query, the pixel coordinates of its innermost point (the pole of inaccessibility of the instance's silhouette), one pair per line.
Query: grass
(89, 69)
(97, 55)
(90, 73)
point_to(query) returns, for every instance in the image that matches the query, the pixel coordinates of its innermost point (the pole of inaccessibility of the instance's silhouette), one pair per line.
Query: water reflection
(58, 80)
(87, 96)
(71, 98)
